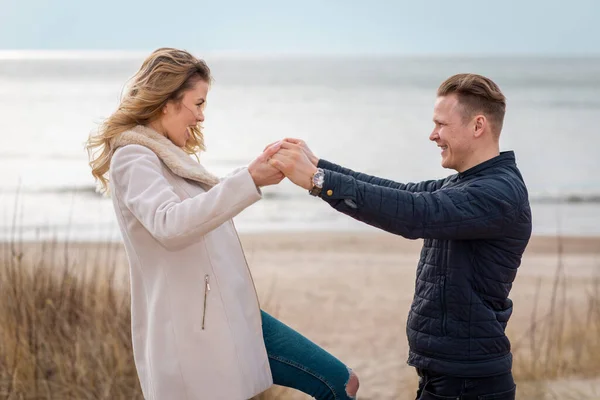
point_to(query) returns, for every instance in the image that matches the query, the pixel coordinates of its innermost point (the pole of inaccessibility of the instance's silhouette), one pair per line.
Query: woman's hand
(263, 173)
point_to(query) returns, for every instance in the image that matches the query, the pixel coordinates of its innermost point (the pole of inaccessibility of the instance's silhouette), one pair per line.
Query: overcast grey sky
(306, 26)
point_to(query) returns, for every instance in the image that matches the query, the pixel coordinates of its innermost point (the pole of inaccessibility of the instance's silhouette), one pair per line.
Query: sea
(369, 113)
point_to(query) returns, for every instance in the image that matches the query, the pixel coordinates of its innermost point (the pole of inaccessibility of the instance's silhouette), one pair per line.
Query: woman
(198, 331)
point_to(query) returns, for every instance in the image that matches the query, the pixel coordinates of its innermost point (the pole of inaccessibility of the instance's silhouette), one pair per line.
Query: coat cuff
(324, 164)
(246, 184)
(339, 190)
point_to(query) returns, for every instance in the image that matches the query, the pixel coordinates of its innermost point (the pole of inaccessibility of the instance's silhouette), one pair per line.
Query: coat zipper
(206, 290)
(443, 294)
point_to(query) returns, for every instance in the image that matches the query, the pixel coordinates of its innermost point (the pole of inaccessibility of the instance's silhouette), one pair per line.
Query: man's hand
(262, 172)
(294, 163)
(313, 159)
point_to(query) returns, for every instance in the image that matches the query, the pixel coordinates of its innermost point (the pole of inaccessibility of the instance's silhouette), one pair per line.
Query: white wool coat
(195, 316)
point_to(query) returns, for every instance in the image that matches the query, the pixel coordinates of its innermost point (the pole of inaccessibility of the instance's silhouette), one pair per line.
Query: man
(475, 224)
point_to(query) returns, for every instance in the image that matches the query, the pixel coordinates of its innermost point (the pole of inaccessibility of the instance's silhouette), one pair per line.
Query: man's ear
(479, 125)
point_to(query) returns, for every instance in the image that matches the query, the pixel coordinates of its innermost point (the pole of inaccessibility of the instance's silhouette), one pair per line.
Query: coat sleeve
(138, 182)
(485, 209)
(425, 186)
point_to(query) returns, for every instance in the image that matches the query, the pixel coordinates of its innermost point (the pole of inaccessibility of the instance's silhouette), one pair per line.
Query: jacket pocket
(206, 290)
(443, 300)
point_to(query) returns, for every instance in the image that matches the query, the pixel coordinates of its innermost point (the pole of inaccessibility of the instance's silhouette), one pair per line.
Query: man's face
(452, 133)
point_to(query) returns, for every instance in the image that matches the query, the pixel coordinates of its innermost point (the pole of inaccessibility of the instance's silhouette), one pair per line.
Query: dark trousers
(433, 386)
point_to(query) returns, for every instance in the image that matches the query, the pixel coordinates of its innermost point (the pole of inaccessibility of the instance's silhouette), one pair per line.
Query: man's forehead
(440, 107)
(446, 105)
(446, 101)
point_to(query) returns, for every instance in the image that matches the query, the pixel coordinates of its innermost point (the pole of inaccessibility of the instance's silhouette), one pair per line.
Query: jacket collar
(178, 161)
(505, 158)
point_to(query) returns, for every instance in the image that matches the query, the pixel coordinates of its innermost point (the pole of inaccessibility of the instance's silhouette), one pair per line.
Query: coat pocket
(206, 291)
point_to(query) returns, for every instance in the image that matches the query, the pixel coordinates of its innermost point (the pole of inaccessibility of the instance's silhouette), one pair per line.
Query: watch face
(318, 179)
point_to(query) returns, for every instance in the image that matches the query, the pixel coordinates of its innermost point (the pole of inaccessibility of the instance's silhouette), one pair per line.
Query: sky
(469, 27)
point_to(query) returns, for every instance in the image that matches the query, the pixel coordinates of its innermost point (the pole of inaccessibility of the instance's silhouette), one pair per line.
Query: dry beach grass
(65, 333)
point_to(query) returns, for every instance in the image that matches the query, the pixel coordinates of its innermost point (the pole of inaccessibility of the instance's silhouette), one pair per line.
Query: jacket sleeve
(425, 186)
(138, 182)
(485, 209)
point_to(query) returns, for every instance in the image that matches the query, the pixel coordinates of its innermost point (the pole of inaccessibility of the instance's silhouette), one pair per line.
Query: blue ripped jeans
(298, 363)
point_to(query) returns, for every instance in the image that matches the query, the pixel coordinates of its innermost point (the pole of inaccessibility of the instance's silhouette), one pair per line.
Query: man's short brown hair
(478, 95)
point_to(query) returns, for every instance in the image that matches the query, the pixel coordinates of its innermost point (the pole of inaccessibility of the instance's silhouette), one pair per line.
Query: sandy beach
(351, 293)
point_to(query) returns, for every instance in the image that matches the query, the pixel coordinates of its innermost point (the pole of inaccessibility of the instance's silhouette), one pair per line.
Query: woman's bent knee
(352, 385)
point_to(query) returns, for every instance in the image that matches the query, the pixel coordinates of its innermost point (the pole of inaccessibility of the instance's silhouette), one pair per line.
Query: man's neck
(479, 157)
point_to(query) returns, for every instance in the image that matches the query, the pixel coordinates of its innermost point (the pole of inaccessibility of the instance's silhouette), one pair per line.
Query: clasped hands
(289, 158)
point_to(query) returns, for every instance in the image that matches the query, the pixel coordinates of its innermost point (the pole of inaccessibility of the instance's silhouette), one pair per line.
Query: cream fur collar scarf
(177, 160)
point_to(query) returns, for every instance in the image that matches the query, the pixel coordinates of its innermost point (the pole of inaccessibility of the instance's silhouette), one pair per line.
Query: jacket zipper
(206, 290)
(443, 295)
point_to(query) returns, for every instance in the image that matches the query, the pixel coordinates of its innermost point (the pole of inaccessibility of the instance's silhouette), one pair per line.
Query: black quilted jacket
(476, 225)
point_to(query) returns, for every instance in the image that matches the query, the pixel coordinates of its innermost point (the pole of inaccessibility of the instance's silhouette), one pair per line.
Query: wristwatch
(318, 179)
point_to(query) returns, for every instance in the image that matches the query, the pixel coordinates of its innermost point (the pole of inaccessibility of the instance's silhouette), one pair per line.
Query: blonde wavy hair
(164, 76)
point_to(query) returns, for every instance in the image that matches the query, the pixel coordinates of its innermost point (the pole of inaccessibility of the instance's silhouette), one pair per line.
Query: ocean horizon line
(106, 54)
